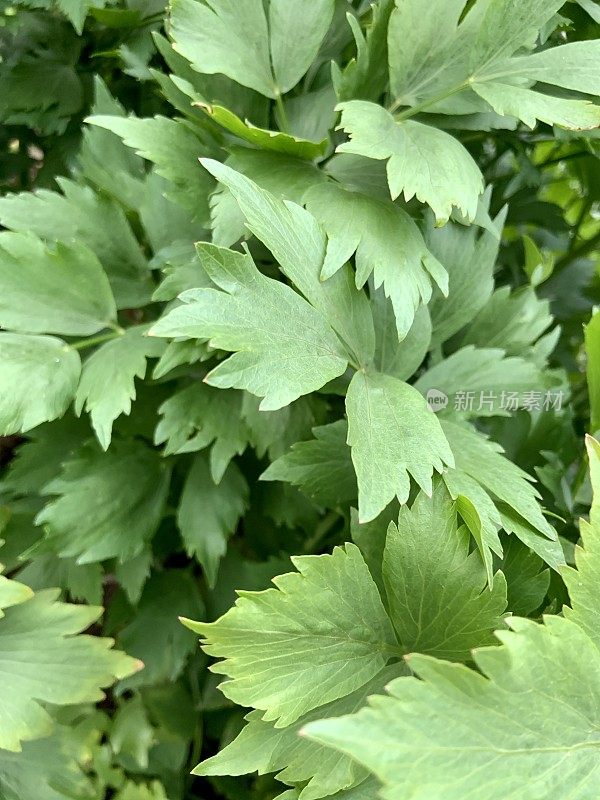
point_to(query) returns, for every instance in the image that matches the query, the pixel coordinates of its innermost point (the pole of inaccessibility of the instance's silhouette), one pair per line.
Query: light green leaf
(274, 432)
(321, 467)
(320, 635)
(155, 635)
(592, 347)
(98, 222)
(524, 727)
(470, 263)
(299, 246)
(175, 149)
(209, 513)
(283, 176)
(97, 512)
(592, 8)
(478, 381)
(366, 75)
(513, 321)
(529, 106)
(387, 243)
(236, 38)
(12, 593)
(296, 32)
(107, 384)
(38, 377)
(321, 772)
(46, 769)
(283, 348)
(393, 435)
(482, 460)
(131, 734)
(43, 661)
(422, 161)
(62, 289)
(438, 597)
(265, 139)
(400, 359)
(582, 582)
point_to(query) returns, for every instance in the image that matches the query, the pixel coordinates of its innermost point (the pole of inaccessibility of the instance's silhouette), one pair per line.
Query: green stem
(283, 120)
(411, 112)
(93, 340)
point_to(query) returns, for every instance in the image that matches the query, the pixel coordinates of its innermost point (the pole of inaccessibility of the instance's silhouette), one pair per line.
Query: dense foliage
(297, 301)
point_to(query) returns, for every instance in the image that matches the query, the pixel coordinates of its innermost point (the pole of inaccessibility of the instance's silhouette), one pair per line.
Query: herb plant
(297, 355)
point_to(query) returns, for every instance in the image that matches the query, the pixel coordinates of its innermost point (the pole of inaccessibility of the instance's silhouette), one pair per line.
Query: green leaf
(393, 435)
(400, 359)
(200, 416)
(523, 728)
(263, 748)
(276, 141)
(438, 597)
(592, 347)
(96, 221)
(12, 593)
(365, 76)
(209, 513)
(581, 582)
(530, 106)
(321, 467)
(42, 660)
(45, 769)
(387, 243)
(478, 381)
(266, 47)
(43, 373)
(175, 148)
(111, 488)
(299, 246)
(513, 321)
(62, 289)
(470, 262)
(107, 384)
(283, 347)
(155, 635)
(422, 161)
(132, 735)
(482, 460)
(283, 176)
(328, 613)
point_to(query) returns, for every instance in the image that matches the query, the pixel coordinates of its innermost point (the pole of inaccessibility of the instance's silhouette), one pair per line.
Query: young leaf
(107, 384)
(422, 161)
(42, 373)
(393, 435)
(62, 289)
(328, 613)
(42, 661)
(283, 348)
